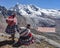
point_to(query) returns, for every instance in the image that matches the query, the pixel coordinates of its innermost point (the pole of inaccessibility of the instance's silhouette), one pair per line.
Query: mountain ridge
(33, 15)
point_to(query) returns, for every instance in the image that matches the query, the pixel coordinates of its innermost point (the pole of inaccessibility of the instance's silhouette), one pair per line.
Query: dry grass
(43, 44)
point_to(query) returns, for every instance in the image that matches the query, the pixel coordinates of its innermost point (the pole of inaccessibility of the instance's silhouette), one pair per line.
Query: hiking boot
(10, 42)
(3, 43)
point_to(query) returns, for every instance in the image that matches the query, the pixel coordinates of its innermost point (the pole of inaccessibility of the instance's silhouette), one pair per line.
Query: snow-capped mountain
(37, 16)
(34, 15)
(34, 10)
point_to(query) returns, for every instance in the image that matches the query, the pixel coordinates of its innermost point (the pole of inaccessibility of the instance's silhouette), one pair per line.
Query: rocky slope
(36, 17)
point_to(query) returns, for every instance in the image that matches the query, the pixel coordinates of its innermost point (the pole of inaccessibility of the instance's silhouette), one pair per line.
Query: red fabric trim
(30, 34)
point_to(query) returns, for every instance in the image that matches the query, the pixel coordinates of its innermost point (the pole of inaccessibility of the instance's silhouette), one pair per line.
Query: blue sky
(48, 4)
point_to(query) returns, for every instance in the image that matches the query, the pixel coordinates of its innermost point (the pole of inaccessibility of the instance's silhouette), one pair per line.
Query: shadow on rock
(6, 42)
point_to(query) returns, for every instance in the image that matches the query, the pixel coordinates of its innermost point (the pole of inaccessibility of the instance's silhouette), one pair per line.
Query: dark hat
(28, 24)
(14, 14)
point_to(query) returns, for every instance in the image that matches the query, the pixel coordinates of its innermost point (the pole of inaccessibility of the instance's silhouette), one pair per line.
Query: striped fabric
(24, 32)
(26, 36)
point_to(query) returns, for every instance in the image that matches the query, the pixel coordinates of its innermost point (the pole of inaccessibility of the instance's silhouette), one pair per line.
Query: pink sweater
(10, 20)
